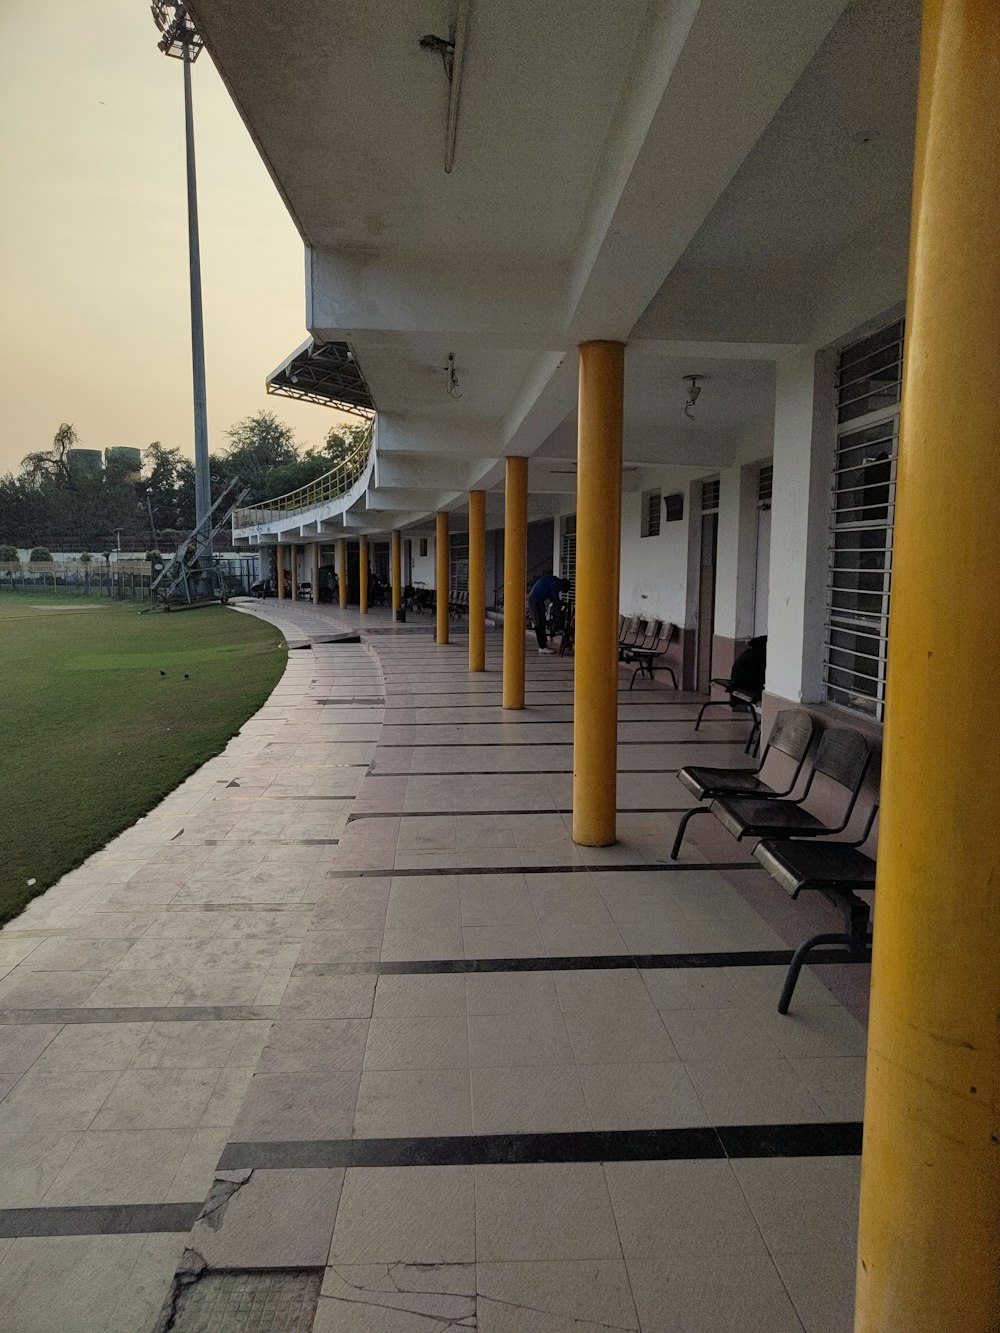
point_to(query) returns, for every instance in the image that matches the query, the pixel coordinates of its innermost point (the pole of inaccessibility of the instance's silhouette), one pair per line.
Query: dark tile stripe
(576, 868)
(218, 1013)
(115, 1219)
(615, 1145)
(478, 814)
(576, 963)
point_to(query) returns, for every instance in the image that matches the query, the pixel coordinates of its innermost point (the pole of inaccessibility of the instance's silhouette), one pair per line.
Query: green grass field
(92, 736)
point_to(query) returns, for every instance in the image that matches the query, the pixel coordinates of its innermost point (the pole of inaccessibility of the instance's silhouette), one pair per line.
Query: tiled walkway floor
(466, 1071)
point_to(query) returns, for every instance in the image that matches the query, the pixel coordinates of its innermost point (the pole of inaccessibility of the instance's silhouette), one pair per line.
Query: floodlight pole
(180, 39)
(202, 478)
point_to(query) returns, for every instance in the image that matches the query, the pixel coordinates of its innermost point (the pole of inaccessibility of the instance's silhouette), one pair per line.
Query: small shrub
(8, 554)
(154, 557)
(86, 558)
(39, 554)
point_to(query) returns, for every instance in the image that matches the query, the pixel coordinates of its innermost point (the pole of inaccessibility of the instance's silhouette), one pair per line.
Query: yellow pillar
(396, 571)
(595, 644)
(477, 580)
(315, 573)
(929, 1245)
(441, 577)
(515, 562)
(342, 571)
(293, 560)
(363, 574)
(279, 565)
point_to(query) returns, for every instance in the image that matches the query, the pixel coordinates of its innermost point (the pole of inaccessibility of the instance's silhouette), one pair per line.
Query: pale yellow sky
(93, 240)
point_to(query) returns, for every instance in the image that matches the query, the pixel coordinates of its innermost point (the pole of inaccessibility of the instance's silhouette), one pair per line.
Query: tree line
(53, 502)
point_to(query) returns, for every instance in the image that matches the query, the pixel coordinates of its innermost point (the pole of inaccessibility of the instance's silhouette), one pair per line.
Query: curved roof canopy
(324, 373)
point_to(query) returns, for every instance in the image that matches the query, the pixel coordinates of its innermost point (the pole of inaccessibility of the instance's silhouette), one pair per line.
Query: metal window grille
(458, 562)
(423, 546)
(861, 522)
(567, 551)
(710, 495)
(765, 486)
(650, 520)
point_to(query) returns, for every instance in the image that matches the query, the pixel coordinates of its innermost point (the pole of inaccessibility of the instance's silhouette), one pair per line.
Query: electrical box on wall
(674, 506)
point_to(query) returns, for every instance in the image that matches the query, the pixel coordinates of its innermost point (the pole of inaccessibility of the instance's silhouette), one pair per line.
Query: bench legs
(718, 703)
(647, 668)
(855, 938)
(682, 828)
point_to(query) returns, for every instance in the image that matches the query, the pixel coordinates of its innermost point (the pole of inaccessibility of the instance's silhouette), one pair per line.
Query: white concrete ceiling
(603, 145)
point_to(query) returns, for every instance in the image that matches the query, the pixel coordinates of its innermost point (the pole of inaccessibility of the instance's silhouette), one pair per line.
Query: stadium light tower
(179, 39)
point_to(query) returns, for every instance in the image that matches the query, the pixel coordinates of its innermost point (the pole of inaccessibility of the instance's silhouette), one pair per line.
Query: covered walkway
(353, 995)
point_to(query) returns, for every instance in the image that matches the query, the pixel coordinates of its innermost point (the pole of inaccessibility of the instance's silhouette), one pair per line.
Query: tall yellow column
(279, 565)
(363, 575)
(342, 571)
(515, 562)
(929, 1246)
(441, 577)
(598, 531)
(293, 561)
(315, 573)
(477, 580)
(396, 571)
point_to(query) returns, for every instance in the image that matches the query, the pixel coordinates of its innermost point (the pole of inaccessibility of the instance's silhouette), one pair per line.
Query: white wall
(654, 569)
(423, 565)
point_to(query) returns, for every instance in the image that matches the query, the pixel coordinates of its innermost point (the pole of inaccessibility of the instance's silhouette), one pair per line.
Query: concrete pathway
(350, 1035)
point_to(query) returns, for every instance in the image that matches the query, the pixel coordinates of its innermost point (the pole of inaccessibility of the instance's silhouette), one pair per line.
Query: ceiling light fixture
(693, 394)
(452, 387)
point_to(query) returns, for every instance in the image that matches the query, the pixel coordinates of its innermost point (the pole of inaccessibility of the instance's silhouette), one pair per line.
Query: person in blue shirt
(547, 589)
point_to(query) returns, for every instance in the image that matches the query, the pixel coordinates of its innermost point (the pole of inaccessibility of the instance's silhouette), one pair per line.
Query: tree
(168, 486)
(86, 558)
(258, 444)
(39, 554)
(341, 441)
(52, 465)
(8, 554)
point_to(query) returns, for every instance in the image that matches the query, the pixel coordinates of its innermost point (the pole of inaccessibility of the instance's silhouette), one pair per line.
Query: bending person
(548, 589)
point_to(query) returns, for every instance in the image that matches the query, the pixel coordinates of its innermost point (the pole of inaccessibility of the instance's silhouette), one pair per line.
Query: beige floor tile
(408, 1215)
(26, 989)
(585, 1296)
(57, 1099)
(631, 1036)
(417, 945)
(821, 1287)
(391, 1298)
(185, 1045)
(544, 1212)
(719, 1034)
(94, 1046)
(157, 1099)
(511, 993)
(134, 1166)
(837, 1083)
(148, 1283)
(752, 1092)
(196, 1169)
(541, 1099)
(328, 997)
(599, 991)
(425, 1042)
(29, 1163)
(497, 1040)
(739, 1293)
(814, 1030)
(402, 996)
(403, 1103)
(77, 955)
(269, 1219)
(130, 986)
(22, 1043)
(674, 1208)
(227, 1097)
(313, 1045)
(803, 1205)
(641, 1096)
(298, 1106)
(691, 988)
(66, 1283)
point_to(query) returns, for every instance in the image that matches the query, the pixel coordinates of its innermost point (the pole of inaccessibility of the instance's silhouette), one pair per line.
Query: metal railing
(330, 486)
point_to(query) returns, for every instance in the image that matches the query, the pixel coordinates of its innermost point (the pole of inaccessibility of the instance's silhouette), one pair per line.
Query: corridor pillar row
(515, 561)
(441, 577)
(477, 580)
(598, 532)
(929, 1242)
(280, 566)
(396, 571)
(363, 575)
(342, 571)
(315, 573)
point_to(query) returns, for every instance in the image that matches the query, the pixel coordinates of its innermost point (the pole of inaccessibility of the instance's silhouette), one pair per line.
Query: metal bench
(791, 736)
(842, 756)
(648, 657)
(630, 634)
(837, 870)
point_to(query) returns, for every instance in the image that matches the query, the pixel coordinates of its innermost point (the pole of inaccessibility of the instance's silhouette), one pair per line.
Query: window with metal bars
(649, 525)
(710, 495)
(861, 522)
(765, 486)
(423, 545)
(458, 562)
(567, 552)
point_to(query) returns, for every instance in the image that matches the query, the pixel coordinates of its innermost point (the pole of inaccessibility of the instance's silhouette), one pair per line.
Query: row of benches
(645, 643)
(795, 846)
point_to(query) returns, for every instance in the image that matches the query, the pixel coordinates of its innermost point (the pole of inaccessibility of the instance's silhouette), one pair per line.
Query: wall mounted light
(693, 394)
(452, 386)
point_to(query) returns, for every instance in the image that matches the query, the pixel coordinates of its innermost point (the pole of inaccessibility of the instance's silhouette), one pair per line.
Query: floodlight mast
(180, 40)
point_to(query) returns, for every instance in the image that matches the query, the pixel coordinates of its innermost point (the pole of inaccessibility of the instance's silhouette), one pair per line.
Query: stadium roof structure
(324, 373)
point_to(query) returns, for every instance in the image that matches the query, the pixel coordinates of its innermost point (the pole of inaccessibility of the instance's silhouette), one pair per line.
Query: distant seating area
(797, 848)
(646, 644)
